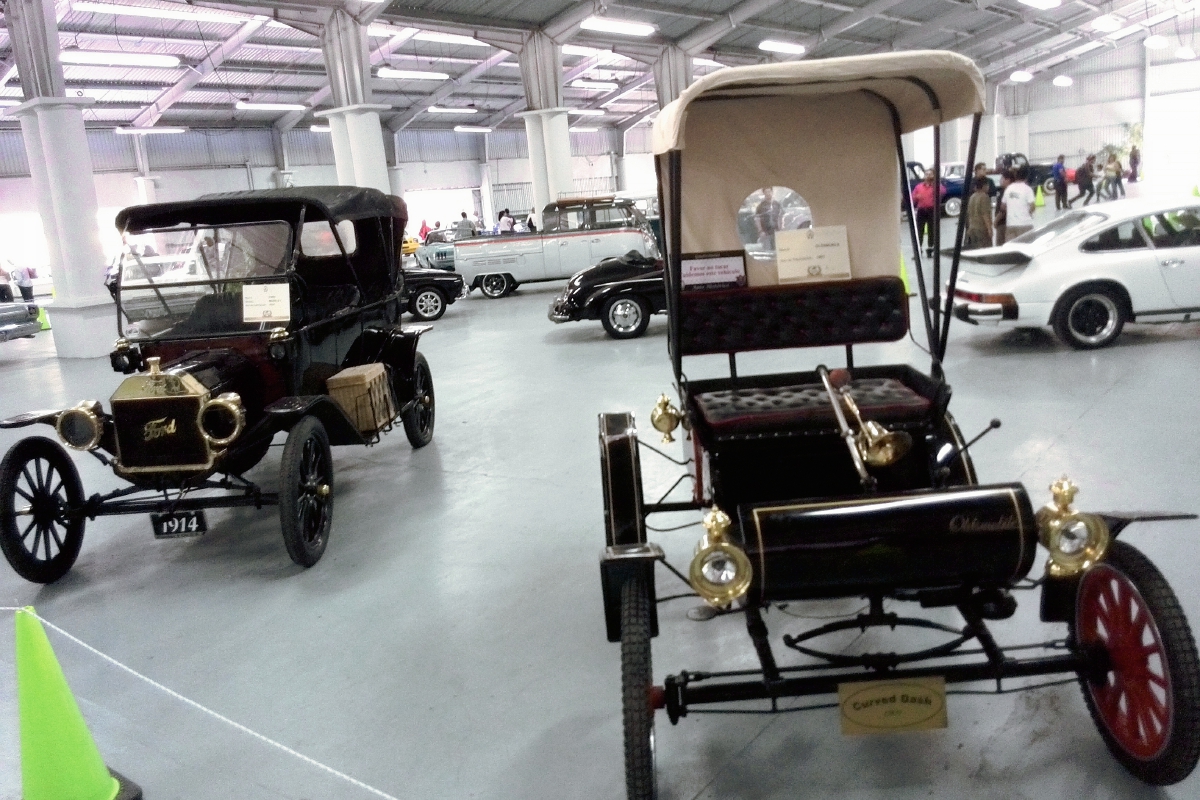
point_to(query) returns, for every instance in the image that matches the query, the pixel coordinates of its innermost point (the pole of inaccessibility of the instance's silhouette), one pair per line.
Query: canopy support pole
(976, 121)
(935, 237)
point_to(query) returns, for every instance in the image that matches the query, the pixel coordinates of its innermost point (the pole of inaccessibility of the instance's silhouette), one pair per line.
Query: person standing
(530, 222)
(23, 278)
(767, 216)
(1059, 171)
(506, 223)
(1083, 180)
(981, 171)
(1135, 161)
(1018, 201)
(424, 230)
(1001, 217)
(1112, 177)
(979, 216)
(6, 295)
(464, 228)
(924, 203)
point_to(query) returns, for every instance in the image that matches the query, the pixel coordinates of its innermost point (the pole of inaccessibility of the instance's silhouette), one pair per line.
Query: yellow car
(409, 245)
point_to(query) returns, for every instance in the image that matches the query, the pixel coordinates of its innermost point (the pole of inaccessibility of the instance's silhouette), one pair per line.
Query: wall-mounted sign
(813, 254)
(266, 302)
(713, 270)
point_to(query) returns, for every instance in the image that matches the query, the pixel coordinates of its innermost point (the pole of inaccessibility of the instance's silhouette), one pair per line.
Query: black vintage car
(852, 484)
(273, 299)
(427, 292)
(620, 292)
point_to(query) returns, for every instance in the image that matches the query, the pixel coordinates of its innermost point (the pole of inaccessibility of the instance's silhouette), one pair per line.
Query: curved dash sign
(912, 704)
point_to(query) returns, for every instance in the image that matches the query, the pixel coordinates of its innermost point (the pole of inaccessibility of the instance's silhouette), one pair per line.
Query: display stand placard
(721, 270)
(266, 302)
(813, 254)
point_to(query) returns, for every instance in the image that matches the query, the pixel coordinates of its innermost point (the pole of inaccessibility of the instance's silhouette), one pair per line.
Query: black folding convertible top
(334, 203)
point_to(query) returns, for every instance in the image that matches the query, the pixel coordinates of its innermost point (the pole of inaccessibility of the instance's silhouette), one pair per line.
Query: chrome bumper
(19, 330)
(557, 312)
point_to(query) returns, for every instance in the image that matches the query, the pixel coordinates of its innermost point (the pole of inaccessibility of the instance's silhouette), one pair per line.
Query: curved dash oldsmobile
(265, 312)
(853, 482)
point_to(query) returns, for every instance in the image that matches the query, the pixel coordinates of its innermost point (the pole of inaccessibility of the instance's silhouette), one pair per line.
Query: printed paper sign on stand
(813, 254)
(266, 302)
(713, 270)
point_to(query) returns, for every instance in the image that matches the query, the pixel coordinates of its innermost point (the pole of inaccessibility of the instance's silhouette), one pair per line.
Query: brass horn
(873, 444)
(720, 571)
(1076, 540)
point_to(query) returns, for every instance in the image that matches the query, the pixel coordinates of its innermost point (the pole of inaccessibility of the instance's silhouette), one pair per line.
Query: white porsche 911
(1089, 272)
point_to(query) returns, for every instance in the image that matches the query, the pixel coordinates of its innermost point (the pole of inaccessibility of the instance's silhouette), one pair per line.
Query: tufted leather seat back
(806, 315)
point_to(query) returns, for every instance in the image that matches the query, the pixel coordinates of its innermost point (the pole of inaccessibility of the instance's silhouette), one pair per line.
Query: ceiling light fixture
(706, 62)
(411, 74)
(1109, 23)
(621, 26)
(586, 112)
(447, 110)
(7, 103)
(1041, 5)
(1185, 53)
(580, 50)
(776, 46)
(1063, 81)
(129, 131)
(450, 38)
(472, 129)
(181, 12)
(598, 86)
(1021, 76)
(1156, 41)
(246, 105)
(319, 128)
(582, 129)
(109, 58)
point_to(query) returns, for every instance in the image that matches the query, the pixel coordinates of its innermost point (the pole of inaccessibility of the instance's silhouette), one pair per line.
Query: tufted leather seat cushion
(755, 410)
(810, 315)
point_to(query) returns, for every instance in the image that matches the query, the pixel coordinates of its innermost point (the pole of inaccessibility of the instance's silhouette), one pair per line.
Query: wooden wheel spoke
(28, 497)
(37, 468)
(29, 481)
(53, 531)
(28, 527)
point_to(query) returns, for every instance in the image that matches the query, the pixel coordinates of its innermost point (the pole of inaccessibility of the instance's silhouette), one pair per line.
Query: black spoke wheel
(306, 491)
(637, 703)
(418, 420)
(41, 497)
(1146, 699)
(427, 305)
(1089, 318)
(494, 286)
(625, 317)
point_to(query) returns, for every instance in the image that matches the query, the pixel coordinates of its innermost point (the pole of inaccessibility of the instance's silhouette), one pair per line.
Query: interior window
(565, 219)
(767, 211)
(612, 216)
(317, 240)
(1122, 237)
(1178, 228)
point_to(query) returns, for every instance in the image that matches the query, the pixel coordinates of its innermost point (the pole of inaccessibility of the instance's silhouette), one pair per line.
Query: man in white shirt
(23, 278)
(1018, 202)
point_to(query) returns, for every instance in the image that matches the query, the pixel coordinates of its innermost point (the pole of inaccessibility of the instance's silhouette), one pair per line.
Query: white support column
(61, 168)
(672, 74)
(549, 154)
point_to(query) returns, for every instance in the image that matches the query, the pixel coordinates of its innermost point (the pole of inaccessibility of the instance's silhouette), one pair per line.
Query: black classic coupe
(620, 292)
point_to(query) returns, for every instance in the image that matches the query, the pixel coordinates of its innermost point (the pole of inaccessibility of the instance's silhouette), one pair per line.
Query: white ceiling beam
(848, 21)
(153, 112)
(705, 36)
(405, 118)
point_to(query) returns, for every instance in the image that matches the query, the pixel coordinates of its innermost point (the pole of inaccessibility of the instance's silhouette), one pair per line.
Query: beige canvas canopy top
(825, 129)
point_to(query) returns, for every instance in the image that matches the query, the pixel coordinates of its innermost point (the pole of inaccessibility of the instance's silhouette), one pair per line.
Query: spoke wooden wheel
(306, 492)
(41, 529)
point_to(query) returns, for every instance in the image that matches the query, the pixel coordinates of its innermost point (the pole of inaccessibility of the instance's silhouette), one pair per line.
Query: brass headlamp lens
(222, 419)
(80, 428)
(720, 571)
(1077, 541)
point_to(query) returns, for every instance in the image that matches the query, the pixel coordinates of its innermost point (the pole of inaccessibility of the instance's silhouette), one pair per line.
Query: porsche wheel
(637, 706)
(1146, 702)
(1090, 317)
(306, 491)
(418, 421)
(625, 317)
(39, 488)
(427, 305)
(494, 286)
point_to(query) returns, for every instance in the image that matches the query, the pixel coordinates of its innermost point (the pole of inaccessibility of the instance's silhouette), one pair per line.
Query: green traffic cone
(59, 758)
(1039, 200)
(43, 318)
(904, 274)
(1196, 190)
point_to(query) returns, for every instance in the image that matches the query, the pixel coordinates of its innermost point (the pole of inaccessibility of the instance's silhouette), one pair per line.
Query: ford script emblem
(157, 428)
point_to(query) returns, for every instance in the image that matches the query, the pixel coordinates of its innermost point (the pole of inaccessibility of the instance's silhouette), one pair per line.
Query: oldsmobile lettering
(158, 428)
(963, 524)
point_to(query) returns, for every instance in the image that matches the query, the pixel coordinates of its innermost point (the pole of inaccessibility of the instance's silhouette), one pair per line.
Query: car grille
(160, 433)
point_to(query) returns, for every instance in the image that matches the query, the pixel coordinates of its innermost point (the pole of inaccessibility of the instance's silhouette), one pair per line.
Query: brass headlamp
(81, 427)
(1076, 540)
(720, 571)
(222, 419)
(665, 418)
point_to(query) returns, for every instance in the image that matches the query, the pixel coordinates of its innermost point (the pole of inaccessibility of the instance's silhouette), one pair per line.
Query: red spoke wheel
(1146, 702)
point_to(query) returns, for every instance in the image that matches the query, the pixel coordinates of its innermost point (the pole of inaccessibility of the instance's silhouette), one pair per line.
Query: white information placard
(266, 302)
(813, 254)
(713, 270)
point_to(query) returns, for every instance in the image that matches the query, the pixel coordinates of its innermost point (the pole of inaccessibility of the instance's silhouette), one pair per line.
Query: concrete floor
(451, 642)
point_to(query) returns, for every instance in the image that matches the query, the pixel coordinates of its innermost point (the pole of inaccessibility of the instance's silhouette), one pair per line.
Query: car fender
(394, 346)
(44, 416)
(650, 289)
(1095, 279)
(284, 414)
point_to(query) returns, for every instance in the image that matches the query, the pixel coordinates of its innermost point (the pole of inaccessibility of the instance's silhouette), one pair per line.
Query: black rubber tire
(625, 317)
(26, 476)
(495, 285)
(243, 461)
(1090, 317)
(305, 509)
(427, 304)
(1181, 749)
(636, 679)
(418, 421)
(1048, 186)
